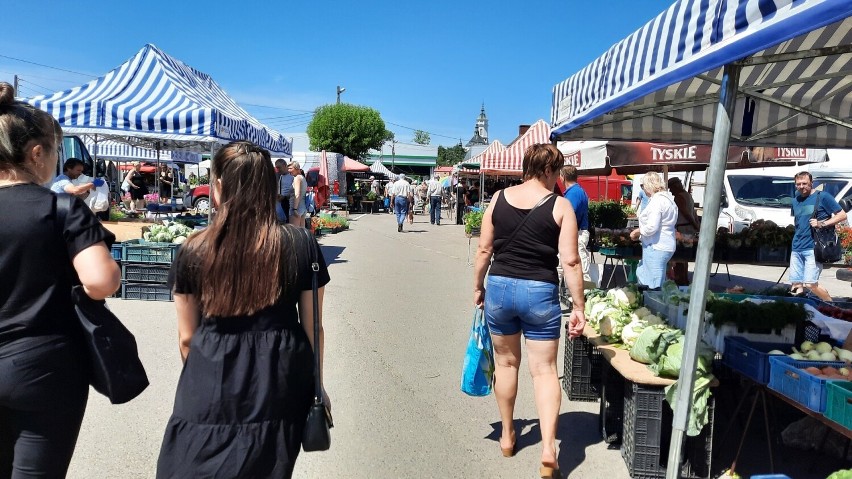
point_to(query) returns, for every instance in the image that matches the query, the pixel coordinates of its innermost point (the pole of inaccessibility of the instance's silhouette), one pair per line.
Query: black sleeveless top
(533, 252)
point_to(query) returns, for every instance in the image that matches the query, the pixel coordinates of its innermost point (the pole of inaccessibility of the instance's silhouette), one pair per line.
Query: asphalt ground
(397, 317)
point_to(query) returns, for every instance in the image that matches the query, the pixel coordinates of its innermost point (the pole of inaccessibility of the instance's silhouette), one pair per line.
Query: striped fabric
(118, 151)
(475, 162)
(153, 95)
(379, 167)
(510, 160)
(661, 83)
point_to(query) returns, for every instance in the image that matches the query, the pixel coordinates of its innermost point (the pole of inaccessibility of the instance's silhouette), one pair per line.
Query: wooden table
(369, 204)
(621, 361)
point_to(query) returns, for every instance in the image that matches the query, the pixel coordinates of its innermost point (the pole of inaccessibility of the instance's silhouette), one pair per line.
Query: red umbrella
(351, 165)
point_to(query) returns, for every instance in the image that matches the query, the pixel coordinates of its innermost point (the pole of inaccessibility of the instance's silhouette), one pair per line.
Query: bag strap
(314, 257)
(63, 206)
(523, 221)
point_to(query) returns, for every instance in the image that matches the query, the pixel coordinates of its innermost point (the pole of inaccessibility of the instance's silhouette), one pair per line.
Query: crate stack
(145, 270)
(116, 251)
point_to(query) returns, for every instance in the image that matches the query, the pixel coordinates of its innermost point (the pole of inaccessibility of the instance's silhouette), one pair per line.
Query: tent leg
(703, 262)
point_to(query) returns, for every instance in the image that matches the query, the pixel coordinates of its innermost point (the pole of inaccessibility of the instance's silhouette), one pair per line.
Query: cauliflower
(606, 327)
(642, 312)
(653, 319)
(632, 331)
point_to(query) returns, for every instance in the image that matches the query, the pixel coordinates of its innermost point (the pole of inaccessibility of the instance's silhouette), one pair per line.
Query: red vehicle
(613, 187)
(198, 198)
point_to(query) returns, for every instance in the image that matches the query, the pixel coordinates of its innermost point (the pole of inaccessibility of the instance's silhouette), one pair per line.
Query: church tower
(480, 131)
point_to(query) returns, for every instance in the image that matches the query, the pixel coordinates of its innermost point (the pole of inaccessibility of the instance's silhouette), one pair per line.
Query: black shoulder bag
(115, 368)
(317, 435)
(826, 246)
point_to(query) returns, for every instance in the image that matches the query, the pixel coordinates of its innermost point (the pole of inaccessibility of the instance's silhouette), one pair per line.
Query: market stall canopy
(631, 157)
(662, 82)
(510, 160)
(118, 151)
(351, 165)
(157, 97)
(378, 167)
(494, 148)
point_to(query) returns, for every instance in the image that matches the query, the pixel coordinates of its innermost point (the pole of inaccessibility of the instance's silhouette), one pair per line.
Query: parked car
(198, 198)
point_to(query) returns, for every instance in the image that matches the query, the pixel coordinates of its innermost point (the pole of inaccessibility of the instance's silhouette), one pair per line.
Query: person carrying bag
(827, 247)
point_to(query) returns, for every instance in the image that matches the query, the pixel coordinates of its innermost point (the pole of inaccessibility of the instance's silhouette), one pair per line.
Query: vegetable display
(608, 312)
(167, 233)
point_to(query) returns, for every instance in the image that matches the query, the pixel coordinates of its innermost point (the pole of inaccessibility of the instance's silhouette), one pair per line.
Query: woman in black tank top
(527, 231)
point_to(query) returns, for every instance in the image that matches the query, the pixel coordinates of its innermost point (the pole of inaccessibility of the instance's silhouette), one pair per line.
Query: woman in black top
(166, 179)
(248, 377)
(44, 389)
(138, 189)
(522, 295)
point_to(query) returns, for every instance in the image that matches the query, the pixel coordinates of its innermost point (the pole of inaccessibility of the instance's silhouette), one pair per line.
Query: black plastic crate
(582, 370)
(144, 273)
(611, 417)
(140, 251)
(146, 291)
(646, 436)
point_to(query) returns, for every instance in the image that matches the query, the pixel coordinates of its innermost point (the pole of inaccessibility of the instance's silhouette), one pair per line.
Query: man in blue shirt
(285, 189)
(575, 194)
(71, 170)
(804, 270)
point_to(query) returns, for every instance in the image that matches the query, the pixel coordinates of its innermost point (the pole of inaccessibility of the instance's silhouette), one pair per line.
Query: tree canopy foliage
(450, 156)
(348, 129)
(421, 137)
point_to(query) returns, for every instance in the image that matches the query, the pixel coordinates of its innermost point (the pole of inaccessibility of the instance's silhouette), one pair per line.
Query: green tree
(421, 137)
(450, 156)
(348, 129)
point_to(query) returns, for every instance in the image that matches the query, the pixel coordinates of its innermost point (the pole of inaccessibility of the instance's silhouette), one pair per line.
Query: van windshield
(766, 191)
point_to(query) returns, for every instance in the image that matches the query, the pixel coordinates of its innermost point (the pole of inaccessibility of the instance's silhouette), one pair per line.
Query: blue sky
(427, 66)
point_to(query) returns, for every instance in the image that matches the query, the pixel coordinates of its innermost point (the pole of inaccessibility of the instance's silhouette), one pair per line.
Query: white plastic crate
(715, 337)
(674, 314)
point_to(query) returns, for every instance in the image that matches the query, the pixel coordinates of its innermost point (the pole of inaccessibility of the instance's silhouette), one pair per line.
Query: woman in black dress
(244, 305)
(166, 179)
(138, 189)
(44, 386)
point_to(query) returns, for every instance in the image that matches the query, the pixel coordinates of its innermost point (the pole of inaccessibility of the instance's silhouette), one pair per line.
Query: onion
(776, 352)
(843, 354)
(823, 347)
(807, 346)
(814, 355)
(797, 357)
(829, 356)
(844, 371)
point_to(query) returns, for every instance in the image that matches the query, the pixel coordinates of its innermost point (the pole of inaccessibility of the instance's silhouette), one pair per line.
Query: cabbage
(640, 351)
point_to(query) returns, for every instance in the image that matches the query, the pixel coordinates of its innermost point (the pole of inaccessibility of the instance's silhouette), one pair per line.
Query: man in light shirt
(64, 183)
(401, 194)
(434, 194)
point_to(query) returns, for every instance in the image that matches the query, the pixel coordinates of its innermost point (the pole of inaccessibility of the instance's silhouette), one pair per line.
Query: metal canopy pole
(703, 260)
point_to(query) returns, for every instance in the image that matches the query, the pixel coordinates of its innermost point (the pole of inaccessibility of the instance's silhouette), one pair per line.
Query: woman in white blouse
(656, 231)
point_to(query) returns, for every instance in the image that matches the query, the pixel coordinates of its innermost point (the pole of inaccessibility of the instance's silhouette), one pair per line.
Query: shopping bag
(478, 369)
(98, 199)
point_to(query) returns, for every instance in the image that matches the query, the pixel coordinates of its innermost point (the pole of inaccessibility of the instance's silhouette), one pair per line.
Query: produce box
(838, 405)
(788, 377)
(116, 251)
(146, 291)
(778, 254)
(647, 433)
(141, 251)
(611, 413)
(674, 314)
(715, 336)
(750, 358)
(581, 377)
(144, 273)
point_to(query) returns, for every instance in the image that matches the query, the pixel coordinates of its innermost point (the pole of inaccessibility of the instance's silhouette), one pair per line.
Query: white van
(767, 193)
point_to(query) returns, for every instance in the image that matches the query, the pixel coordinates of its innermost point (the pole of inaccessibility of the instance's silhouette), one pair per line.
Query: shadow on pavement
(332, 253)
(576, 431)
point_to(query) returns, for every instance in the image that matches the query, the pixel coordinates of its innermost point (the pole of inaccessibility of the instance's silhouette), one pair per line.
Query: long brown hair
(21, 127)
(244, 254)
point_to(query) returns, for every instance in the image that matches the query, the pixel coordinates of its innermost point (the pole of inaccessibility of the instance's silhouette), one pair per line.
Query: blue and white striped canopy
(120, 151)
(153, 95)
(661, 83)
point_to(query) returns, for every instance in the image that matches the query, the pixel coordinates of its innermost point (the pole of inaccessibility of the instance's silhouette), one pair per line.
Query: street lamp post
(339, 91)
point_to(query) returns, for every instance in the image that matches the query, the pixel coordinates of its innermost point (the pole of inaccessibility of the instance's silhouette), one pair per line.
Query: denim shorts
(804, 268)
(515, 305)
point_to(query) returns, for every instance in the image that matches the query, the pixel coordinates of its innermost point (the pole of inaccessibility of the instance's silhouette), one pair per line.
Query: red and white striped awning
(476, 162)
(510, 160)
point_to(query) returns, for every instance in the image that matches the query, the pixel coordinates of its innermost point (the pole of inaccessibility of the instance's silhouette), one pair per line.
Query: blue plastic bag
(478, 369)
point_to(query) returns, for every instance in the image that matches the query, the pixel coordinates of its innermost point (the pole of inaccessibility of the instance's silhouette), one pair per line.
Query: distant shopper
(298, 206)
(242, 291)
(64, 183)
(804, 269)
(284, 190)
(656, 231)
(523, 231)
(434, 193)
(401, 199)
(375, 186)
(687, 224)
(138, 189)
(44, 384)
(166, 180)
(579, 200)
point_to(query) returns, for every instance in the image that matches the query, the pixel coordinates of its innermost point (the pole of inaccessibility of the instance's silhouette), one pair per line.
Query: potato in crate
(804, 381)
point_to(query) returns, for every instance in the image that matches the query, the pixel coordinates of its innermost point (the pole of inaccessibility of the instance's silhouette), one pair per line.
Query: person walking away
(389, 194)
(687, 224)
(523, 231)
(576, 195)
(166, 180)
(400, 195)
(434, 193)
(44, 387)
(284, 190)
(656, 231)
(412, 187)
(248, 422)
(804, 269)
(64, 183)
(138, 189)
(298, 207)
(375, 186)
